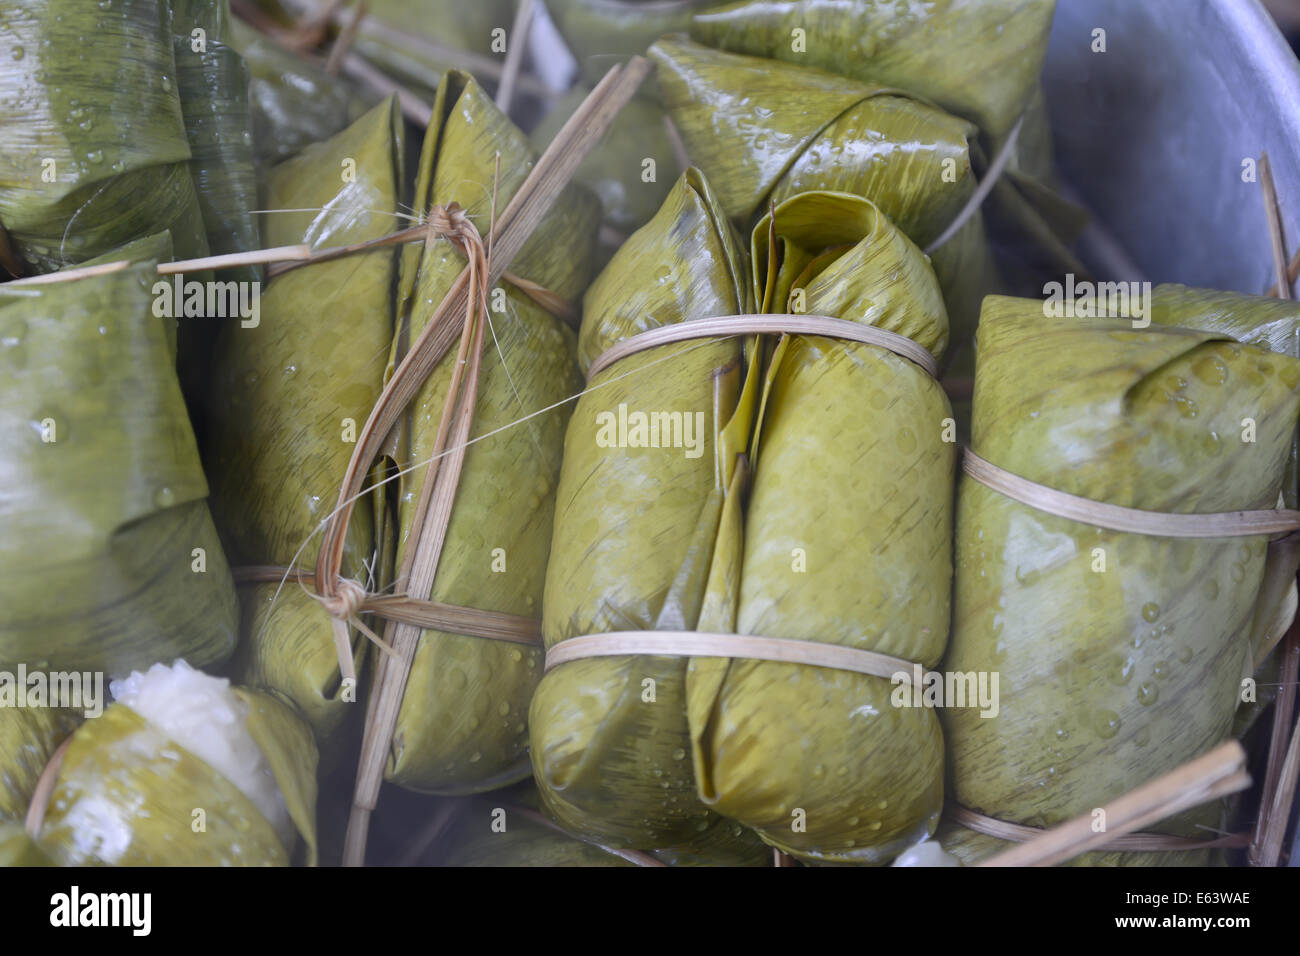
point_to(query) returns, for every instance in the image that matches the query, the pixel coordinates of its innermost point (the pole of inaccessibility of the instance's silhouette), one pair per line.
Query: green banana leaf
(601, 33)
(461, 727)
(91, 161)
(293, 102)
(763, 130)
(103, 472)
(491, 831)
(867, 776)
(151, 249)
(616, 170)
(980, 59)
(290, 396)
(1109, 677)
(1272, 324)
(858, 555)
(127, 794)
(28, 738)
(633, 536)
(18, 849)
(402, 37)
(214, 82)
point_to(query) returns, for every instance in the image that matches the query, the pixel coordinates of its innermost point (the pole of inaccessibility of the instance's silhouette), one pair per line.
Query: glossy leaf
(95, 152)
(126, 795)
(1111, 673)
(462, 724)
(285, 391)
(763, 130)
(102, 470)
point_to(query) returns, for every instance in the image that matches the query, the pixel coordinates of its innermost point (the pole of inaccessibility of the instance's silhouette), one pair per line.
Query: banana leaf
(616, 169)
(290, 396)
(633, 536)
(214, 82)
(403, 37)
(763, 130)
(102, 471)
(600, 33)
(151, 249)
(1272, 324)
(18, 849)
(92, 160)
(1110, 677)
(128, 793)
(609, 765)
(293, 102)
(28, 738)
(978, 59)
(461, 727)
(872, 519)
(476, 838)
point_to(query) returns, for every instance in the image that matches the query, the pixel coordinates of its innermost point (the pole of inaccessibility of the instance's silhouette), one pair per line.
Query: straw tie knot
(452, 222)
(347, 600)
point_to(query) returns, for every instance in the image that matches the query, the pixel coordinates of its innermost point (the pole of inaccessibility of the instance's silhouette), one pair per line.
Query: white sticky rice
(204, 716)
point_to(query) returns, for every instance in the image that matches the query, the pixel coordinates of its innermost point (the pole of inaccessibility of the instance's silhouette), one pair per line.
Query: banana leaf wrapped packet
(103, 471)
(978, 59)
(28, 738)
(184, 769)
(876, 538)
(763, 130)
(1120, 655)
(461, 727)
(865, 777)
(92, 161)
(608, 766)
(1272, 324)
(290, 395)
